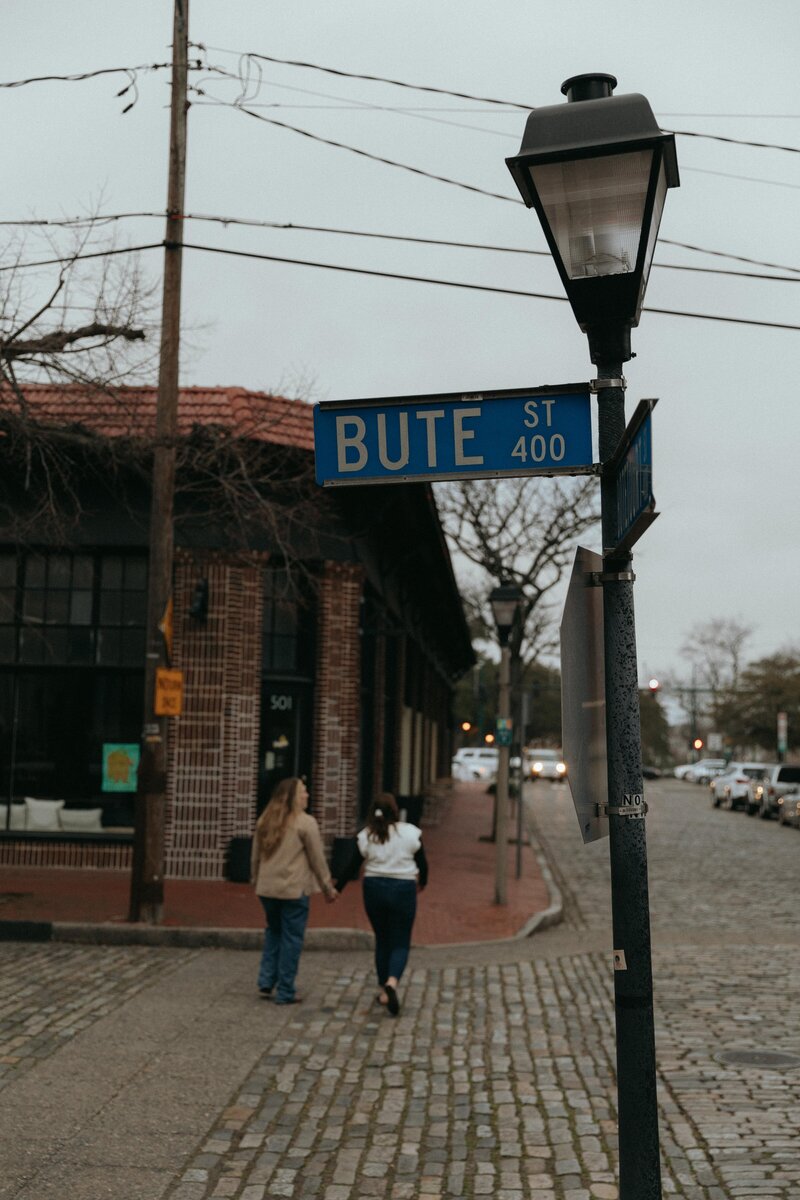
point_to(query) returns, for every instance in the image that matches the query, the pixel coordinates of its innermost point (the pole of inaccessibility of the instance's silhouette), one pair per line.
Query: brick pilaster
(337, 700)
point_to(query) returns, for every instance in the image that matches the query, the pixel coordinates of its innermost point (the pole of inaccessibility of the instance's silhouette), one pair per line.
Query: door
(285, 743)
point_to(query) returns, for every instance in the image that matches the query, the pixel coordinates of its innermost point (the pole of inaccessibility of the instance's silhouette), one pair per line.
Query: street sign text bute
(533, 431)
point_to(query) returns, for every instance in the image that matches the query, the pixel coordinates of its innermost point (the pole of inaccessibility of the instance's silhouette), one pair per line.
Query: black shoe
(265, 993)
(393, 1003)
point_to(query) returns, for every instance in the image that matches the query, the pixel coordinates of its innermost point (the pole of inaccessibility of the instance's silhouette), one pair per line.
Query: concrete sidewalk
(457, 907)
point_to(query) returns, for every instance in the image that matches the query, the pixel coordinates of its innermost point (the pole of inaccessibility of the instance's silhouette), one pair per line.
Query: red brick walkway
(457, 906)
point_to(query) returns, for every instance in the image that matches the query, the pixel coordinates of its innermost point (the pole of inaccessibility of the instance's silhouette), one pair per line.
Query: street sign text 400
(539, 448)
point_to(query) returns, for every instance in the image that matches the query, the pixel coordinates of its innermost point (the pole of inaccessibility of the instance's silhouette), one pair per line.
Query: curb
(192, 937)
(186, 936)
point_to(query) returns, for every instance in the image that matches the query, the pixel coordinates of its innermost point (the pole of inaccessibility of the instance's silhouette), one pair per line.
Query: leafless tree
(714, 649)
(521, 531)
(92, 322)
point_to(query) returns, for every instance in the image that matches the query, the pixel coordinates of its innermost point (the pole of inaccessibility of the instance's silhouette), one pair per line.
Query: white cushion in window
(18, 815)
(81, 820)
(43, 814)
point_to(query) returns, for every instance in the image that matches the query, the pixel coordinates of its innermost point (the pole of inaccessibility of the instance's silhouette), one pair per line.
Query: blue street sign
(632, 469)
(529, 431)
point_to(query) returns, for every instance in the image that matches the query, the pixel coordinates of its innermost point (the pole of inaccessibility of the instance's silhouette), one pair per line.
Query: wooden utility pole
(147, 874)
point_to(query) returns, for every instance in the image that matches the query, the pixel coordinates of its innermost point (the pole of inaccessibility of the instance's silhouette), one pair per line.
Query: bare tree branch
(521, 531)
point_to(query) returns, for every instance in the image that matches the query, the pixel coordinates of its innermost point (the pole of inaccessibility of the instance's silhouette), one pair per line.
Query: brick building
(322, 640)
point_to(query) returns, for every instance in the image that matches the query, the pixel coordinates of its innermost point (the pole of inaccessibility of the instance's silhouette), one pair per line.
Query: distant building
(319, 632)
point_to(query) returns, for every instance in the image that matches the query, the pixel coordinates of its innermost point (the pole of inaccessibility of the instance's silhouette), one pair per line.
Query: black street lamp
(506, 603)
(597, 170)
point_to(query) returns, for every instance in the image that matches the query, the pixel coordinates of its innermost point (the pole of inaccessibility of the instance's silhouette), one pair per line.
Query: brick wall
(213, 745)
(52, 853)
(337, 701)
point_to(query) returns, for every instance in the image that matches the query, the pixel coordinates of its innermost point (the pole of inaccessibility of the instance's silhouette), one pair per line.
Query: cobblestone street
(146, 1073)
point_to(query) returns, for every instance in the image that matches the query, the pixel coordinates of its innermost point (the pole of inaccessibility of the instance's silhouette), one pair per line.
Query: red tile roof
(130, 411)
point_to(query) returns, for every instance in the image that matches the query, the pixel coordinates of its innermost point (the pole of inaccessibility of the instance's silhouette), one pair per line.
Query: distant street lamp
(597, 170)
(506, 602)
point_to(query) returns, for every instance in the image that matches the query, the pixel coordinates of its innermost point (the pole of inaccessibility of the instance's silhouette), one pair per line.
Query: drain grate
(758, 1058)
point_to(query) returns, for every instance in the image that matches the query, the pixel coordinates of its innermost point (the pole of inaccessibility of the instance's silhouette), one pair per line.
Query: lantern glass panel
(595, 208)
(655, 221)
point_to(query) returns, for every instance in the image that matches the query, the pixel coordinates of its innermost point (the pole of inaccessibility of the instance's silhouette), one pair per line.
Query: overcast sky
(727, 426)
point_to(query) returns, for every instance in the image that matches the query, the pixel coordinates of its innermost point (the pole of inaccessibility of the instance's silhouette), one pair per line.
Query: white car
(474, 762)
(545, 764)
(704, 770)
(732, 788)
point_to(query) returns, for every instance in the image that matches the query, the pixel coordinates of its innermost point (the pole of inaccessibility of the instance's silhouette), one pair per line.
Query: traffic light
(466, 726)
(489, 739)
(698, 743)
(654, 686)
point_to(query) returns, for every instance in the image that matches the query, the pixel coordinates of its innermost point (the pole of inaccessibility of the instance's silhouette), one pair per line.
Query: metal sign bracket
(634, 812)
(595, 385)
(598, 578)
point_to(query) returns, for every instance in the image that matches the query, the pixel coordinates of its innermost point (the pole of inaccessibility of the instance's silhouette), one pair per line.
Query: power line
(389, 162)
(303, 262)
(15, 83)
(247, 222)
(724, 254)
(71, 258)
(476, 287)
(747, 178)
(417, 87)
(718, 137)
(247, 56)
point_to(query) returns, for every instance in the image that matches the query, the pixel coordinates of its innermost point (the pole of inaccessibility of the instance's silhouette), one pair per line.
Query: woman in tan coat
(288, 865)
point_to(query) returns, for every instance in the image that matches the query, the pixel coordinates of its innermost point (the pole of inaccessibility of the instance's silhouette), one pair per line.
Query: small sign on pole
(504, 731)
(169, 692)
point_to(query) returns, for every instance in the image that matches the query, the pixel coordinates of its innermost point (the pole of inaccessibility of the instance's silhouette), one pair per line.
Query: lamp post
(597, 170)
(506, 601)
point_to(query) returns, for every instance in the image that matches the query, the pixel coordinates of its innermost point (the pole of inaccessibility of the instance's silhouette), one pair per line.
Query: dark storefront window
(72, 630)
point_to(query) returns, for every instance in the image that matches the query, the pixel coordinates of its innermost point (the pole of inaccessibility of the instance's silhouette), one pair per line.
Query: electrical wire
(389, 162)
(253, 223)
(303, 262)
(253, 55)
(15, 83)
(417, 87)
(476, 287)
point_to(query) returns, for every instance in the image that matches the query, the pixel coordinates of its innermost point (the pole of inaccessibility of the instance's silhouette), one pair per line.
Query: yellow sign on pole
(169, 692)
(165, 626)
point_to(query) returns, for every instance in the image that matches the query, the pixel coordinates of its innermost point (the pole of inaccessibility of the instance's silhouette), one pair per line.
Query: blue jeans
(283, 941)
(391, 906)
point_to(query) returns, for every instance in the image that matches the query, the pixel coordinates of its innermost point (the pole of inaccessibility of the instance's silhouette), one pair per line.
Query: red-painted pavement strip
(457, 906)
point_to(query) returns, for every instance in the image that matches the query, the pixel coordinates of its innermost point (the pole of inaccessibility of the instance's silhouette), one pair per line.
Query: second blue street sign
(528, 431)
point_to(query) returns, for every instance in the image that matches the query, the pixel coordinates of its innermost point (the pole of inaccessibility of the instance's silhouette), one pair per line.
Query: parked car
(546, 764)
(732, 789)
(474, 762)
(704, 770)
(789, 809)
(778, 781)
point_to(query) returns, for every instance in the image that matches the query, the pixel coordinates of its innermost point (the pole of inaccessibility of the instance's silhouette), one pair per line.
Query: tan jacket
(298, 866)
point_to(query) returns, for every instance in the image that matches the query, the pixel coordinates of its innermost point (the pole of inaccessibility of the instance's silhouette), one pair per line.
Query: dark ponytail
(381, 817)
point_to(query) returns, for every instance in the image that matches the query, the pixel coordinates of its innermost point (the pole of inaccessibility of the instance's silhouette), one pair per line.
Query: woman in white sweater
(395, 869)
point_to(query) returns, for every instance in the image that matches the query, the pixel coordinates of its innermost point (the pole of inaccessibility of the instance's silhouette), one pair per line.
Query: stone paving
(48, 994)
(498, 1076)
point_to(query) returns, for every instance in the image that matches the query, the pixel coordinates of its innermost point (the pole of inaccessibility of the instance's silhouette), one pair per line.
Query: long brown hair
(381, 817)
(271, 825)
